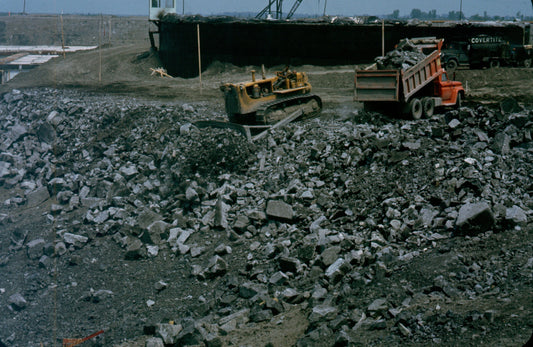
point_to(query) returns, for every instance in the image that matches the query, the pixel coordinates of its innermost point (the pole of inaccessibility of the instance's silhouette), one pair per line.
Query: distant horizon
(251, 14)
(308, 8)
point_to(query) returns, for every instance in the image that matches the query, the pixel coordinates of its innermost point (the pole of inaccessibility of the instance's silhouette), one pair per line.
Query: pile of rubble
(404, 56)
(317, 216)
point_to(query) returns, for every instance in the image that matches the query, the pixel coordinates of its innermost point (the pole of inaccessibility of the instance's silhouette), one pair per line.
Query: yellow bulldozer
(267, 101)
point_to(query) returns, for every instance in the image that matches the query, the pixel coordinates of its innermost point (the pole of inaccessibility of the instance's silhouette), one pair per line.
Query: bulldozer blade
(245, 130)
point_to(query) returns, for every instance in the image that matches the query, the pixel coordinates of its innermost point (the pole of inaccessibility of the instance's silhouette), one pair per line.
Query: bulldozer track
(263, 112)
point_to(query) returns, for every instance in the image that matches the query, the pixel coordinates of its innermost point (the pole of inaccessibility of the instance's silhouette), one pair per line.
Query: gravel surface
(352, 228)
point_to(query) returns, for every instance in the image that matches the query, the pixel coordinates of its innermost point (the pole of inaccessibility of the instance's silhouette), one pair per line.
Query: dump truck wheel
(429, 107)
(527, 63)
(451, 65)
(415, 108)
(494, 64)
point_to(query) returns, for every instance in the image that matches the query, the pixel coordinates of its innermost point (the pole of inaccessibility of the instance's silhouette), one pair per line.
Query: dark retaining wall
(253, 42)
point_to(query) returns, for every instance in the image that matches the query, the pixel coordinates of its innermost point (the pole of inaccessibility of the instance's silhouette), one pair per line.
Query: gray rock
(158, 231)
(191, 194)
(279, 210)
(35, 248)
(319, 293)
(289, 264)
(257, 216)
(77, 241)
(378, 306)
(4, 169)
(129, 171)
(291, 295)
(516, 216)
(17, 302)
(330, 255)
(278, 278)
(427, 215)
(147, 217)
(261, 316)
(197, 251)
(60, 248)
(134, 249)
(475, 217)
(154, 342)
(54, 118)
(249, 289)
(239, 317)
(315, 226)
(37, 197)
(509, 105)
(221, 214)
(222, 249)
(101, 217)
(46, 133)
(501, 144)
(217, 267)
(336, 271)
(241, 223)
(454, 123)
(404, 330)
(168, 332)
(323, 312)
(15, 133)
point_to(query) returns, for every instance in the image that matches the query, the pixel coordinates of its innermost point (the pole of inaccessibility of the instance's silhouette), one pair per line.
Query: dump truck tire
(451, 65)
(415, 108)
(527, 63)
(428, 105)
(494, 64)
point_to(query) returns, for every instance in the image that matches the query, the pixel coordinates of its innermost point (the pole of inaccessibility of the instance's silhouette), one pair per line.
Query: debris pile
(323, 216)
(404, 56)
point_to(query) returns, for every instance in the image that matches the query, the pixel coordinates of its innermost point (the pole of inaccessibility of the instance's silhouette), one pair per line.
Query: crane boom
(267, 9)
(295, 7)
(279, 9)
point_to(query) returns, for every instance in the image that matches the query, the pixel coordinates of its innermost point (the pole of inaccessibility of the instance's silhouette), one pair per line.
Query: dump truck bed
(397, 85)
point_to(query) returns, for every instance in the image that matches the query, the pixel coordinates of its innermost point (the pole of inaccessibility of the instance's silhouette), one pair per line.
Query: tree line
(454, 15)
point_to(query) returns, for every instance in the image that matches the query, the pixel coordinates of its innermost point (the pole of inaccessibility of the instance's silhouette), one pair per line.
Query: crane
(295, 7)
(279, 9)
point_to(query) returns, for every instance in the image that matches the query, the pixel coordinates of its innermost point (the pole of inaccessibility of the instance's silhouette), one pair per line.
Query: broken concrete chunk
(35, 248)
(154, 342)
(157, 231)
(17, 302)
(501, 144)
(475, 217)
(280, 210)
(46, 133)
(323, 312)
(77, 240)
(38, 196)
(169, 332)
(516, 216)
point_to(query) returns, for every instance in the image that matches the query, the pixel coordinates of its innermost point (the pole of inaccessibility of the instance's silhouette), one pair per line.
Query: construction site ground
(124, 68)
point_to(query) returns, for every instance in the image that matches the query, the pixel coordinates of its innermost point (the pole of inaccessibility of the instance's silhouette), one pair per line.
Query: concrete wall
(274, 43)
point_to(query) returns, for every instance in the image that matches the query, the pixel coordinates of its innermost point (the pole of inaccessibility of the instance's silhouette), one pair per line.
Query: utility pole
(461, 11)
(24, 8)
(183, 8)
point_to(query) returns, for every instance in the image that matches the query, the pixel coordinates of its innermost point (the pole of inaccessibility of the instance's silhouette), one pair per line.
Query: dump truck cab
(450, 92)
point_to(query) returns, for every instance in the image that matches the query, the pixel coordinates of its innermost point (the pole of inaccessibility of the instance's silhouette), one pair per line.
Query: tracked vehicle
(267, 101)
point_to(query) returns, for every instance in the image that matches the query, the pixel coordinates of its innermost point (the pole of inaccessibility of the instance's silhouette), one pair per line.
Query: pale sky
(311, 7)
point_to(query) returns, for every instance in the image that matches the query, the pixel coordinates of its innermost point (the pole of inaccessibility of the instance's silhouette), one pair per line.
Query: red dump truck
(411, 90)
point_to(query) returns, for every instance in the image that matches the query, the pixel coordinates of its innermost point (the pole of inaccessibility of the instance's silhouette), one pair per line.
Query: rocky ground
(348, 229)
